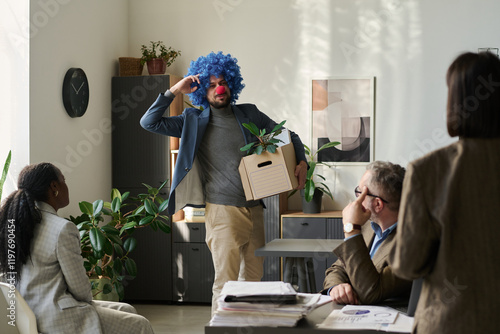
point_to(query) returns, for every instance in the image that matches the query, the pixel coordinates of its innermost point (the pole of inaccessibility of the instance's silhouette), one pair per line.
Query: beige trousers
(233, 234)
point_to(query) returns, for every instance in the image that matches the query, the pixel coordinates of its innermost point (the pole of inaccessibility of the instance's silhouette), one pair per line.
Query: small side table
(298, 270)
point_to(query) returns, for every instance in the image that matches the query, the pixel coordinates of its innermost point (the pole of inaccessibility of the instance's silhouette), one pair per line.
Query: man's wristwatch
(349, 227)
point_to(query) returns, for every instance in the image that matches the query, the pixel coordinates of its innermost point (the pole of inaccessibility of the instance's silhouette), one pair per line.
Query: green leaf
(248, 146)
(328, 145)
(163, 184)
(107, 288)
(125, 196)
(310, 171)
(163, 206)
(252, 128)
(108, 247)
(5, 171)
(130, 244)
(147, 186)
(115, 193)
(164, 227)
(309, 190)
(97, 207)
(86, 207)
(83, 226)
(326, 190)
(259, 149)
(98, 270)
(151, 207)
(307, 150)
(97, 239)
(108, 229)
(119, 289)
(131, 267)
(115, 239)
(87, 265)
(118, 249)
(117, 266)
(278, 126)
(146, 220)
(116, 204)
(271, 148)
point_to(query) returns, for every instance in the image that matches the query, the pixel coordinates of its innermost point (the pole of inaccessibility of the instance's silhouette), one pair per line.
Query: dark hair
(473, 109)
(19, 216)
(388, 178)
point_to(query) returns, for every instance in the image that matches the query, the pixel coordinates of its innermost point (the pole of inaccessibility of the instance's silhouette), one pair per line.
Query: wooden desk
(306, 325)
(299, 254)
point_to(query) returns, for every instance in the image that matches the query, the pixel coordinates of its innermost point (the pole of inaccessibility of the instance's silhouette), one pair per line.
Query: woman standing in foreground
(449, 218)
(40, 252)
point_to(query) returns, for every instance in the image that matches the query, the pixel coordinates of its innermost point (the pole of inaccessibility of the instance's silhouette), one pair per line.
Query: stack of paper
(264, 304)
(379, 318)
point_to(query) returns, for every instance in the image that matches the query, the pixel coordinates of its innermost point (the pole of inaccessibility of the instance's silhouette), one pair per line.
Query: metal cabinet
(326, 225)
(139, 156)
(192, 266)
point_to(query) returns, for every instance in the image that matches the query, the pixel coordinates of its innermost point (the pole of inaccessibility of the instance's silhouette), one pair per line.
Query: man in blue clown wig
(206, 172)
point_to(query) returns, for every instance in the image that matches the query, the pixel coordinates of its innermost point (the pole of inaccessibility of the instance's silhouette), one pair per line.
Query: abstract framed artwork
(343, 110)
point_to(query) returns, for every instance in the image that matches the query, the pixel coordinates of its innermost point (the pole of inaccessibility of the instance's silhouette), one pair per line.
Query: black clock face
(75, 92)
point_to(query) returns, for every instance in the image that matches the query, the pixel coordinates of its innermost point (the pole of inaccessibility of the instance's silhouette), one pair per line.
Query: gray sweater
(220, 156)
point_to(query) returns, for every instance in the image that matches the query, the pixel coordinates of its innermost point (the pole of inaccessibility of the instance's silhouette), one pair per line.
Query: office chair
(25, 321)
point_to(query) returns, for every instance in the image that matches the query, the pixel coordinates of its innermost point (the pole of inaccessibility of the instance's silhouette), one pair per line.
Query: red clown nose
(220, 90)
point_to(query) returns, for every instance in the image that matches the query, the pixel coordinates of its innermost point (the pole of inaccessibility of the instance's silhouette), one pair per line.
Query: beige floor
(178, 319)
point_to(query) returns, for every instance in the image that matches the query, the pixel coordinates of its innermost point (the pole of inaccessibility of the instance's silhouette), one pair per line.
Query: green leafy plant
(158, 50)
(266, 141)
(106, 246)
(311, 185)
(5, 171)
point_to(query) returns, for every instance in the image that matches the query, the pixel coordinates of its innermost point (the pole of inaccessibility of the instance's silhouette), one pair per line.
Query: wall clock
(75, 92)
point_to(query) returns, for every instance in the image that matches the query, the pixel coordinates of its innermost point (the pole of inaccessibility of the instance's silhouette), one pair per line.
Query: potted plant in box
(106, 246)
(158, 57)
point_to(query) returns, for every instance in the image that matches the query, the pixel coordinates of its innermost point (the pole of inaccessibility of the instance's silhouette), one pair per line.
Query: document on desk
(368, 317)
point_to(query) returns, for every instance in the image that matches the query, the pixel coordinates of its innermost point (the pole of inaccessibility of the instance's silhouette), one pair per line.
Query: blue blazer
(190, 127)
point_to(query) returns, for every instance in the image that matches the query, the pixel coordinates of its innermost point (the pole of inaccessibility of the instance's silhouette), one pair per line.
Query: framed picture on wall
(343, 110)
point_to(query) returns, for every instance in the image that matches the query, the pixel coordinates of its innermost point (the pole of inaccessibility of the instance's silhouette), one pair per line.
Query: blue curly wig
(215, 64)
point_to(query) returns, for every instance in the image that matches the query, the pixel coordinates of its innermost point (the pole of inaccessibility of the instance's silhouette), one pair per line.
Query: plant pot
(314, 206)
(157, 66)
(97, 291)
(129, 66)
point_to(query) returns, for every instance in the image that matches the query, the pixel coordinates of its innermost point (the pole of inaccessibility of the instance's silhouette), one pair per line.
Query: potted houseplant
(158, 57)
(106, 246)
(266, 141)
(314, 190)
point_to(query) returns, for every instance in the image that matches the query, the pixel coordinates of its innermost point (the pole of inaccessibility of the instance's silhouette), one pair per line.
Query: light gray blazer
(53, 282)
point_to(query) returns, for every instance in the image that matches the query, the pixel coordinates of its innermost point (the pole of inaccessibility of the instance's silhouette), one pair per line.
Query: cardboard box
(268, 174)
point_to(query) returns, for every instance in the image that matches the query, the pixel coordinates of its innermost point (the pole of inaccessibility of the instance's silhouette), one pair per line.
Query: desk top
(306, 325)
(299, 247)
(323, 214)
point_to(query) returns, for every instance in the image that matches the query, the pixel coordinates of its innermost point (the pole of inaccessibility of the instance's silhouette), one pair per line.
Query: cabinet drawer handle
(305, 224)
(195, 228)
(195, 249)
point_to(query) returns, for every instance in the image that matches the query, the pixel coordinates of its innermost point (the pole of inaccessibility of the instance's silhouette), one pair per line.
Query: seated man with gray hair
(362, 275)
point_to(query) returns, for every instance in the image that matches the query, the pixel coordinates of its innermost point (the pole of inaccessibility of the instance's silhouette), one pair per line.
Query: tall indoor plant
(158, 57)
(106, 245)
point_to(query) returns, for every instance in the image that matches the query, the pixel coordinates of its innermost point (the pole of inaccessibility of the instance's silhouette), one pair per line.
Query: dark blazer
(448, 233)
(372, 279)
(190, 127)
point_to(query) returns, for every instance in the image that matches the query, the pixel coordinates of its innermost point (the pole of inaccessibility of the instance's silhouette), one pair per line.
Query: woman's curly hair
(215, 64)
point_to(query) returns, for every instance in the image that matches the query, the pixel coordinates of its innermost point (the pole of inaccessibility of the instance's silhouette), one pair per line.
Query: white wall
(14, 88)
(282, 44)
(90, 34)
